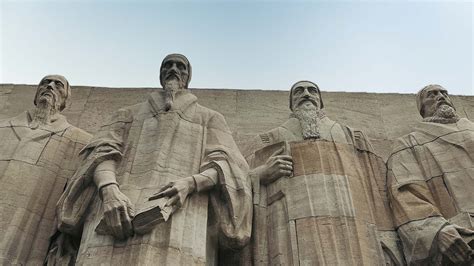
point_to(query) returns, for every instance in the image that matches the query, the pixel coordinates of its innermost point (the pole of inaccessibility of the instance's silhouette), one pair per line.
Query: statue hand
(275, 167)
(177, 192)
(452, 245)
(118, 211)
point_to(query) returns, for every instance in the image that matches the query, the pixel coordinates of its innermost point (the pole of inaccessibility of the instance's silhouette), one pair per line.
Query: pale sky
(371, 46)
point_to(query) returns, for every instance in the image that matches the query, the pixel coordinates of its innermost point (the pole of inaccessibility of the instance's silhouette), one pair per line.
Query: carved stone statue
(431, 181)
(168, 149)
(318, 191)
(37, 152)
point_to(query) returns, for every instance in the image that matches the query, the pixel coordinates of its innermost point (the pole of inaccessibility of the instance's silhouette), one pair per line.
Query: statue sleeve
(107, 144)
(231, 199)
(416, 215)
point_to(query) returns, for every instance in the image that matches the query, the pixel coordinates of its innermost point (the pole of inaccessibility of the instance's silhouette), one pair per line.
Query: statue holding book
(430, 182)
(318, 192)
(162, 183)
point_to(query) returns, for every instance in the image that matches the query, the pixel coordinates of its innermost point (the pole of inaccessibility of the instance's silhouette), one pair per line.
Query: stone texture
(383, 117)
(167, 147)
(35, 164)
(332, 209)
(430, 181)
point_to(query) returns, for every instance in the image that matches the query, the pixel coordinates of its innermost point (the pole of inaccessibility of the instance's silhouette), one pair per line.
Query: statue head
(306, 105)
(53, 90)
(431, 98)
(305, 92)
(175, 67)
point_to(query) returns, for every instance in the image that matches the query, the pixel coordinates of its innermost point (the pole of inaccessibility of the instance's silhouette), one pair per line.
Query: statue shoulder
(78, 135)
(18, 119)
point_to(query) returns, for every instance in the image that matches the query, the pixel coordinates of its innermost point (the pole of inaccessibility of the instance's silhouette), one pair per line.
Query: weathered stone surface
(331, 209)
(36, 159)
(430, 179)
(384, 117)
(167, 147)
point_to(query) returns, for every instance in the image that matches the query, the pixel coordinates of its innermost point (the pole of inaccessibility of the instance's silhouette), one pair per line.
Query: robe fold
(34, 167)
(332, 211)
(431, 178)
(153, 147)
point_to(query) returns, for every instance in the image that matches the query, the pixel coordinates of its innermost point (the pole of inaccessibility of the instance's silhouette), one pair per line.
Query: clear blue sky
(374, 46)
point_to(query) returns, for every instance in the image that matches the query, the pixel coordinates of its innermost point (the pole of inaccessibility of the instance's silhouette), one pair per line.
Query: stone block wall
(382, 116)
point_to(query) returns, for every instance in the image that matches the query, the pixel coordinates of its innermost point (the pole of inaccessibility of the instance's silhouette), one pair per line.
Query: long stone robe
(431, 182)
(34, 167)
(332, 211)
(153, 147)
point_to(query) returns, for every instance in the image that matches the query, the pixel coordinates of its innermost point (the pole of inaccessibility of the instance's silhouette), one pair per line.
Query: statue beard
(172, 86)
(45, 110)
(445, 114)
(309, 117)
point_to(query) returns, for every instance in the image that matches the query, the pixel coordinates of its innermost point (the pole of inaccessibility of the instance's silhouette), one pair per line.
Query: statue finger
(126, 223)
(286, 167)
(172, 201)
(279, 151)
(462, 248)
(464, 231)
(286, 158)
(116, 224)
(165, 187)
(166, 193)
(131, 211)
(286, 172)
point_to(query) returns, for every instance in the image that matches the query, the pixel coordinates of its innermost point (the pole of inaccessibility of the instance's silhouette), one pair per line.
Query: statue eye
(181, 66)
(298, 90)
(167, 65)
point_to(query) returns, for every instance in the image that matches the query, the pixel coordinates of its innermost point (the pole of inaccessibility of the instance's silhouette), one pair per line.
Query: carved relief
(430, 177)
(37, 156)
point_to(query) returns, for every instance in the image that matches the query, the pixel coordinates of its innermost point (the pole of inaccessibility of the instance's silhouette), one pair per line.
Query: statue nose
(441, 97)
(174, 67)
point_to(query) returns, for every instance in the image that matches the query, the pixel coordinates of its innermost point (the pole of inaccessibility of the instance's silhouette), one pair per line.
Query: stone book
(150, 213)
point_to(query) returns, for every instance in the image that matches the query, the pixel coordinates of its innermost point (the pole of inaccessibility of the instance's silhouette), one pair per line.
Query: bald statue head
(434, 105)
(53, 89)
(51, 97)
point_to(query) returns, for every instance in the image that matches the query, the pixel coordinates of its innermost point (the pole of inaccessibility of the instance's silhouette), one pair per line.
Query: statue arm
(424, 232)
(104, 148)
(224, 175)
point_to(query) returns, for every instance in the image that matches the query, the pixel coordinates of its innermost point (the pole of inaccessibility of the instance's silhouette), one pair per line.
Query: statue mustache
(46, 90)
(304, 99)
(443, 102)
(173, 73)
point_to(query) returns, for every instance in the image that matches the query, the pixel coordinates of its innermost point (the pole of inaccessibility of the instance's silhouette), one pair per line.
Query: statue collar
(183, 104)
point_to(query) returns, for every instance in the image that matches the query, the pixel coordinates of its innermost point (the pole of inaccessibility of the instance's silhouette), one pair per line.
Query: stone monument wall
(383, 117)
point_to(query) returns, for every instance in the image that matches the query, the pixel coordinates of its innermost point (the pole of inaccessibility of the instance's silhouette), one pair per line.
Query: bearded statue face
(436, 106)
(305, 102)
(52, 92)
(433, 99)
(174, 70)
(305, 94)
